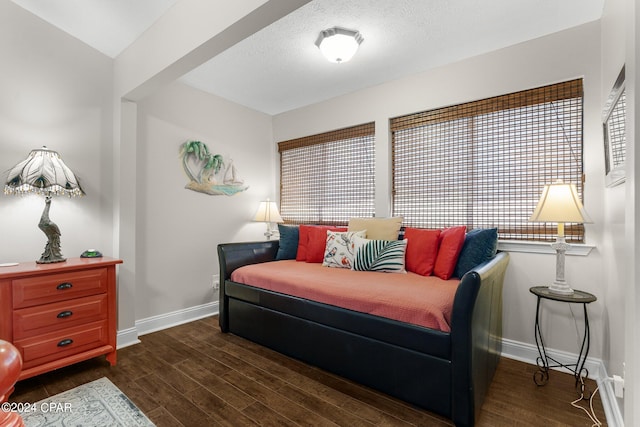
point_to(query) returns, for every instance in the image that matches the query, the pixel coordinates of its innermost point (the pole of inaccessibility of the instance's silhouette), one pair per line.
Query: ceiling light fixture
(338, 44)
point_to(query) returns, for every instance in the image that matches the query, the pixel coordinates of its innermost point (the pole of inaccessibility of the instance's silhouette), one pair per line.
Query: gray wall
(178, 229)
(56, 91)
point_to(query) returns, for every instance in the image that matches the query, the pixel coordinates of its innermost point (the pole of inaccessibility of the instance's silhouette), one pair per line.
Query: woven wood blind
(328, 178)
(484, 163)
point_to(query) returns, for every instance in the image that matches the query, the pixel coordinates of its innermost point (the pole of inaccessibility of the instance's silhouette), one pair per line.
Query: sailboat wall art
(209, 173)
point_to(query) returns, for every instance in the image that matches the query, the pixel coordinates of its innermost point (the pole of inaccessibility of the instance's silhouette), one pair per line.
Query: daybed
(448, 373)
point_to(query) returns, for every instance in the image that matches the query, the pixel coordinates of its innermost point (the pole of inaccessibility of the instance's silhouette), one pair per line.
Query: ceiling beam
(188, 35)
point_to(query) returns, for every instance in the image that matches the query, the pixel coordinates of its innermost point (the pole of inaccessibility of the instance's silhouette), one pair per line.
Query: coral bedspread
(411, 298)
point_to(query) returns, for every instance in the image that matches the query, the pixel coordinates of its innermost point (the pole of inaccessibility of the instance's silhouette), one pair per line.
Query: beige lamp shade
(268, 212)
(560, 202)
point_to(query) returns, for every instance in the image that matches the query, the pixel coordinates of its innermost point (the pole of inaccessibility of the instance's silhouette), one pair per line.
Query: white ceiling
(279, 68)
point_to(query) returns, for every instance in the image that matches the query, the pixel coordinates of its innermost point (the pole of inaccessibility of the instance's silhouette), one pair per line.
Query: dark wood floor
(193, 375)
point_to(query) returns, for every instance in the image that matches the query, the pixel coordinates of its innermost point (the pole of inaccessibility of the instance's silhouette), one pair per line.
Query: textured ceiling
(279, 68)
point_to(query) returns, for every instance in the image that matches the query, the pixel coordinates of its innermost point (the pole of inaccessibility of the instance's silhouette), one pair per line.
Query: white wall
(615, 262)
(55, 92)
(178, 230)
(632, 218)
(567, 55)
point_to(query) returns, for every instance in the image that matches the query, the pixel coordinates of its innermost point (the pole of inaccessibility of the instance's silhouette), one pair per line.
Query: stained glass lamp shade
(43, 172)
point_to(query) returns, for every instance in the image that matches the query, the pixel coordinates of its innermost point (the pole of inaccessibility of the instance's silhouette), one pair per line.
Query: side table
(544, 361)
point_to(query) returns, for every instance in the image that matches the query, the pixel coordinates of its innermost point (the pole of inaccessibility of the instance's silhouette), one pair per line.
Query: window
(484, 163)
(328, 178)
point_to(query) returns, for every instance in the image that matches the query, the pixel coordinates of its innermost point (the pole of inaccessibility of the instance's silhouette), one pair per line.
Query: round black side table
(546, 362)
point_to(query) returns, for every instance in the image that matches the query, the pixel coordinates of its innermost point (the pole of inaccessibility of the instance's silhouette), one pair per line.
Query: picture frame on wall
(614, 132)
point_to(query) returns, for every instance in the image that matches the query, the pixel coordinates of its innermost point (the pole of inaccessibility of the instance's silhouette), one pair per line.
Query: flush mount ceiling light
(338, 44)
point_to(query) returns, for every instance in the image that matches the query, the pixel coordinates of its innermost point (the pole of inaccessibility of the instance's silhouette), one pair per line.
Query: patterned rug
(95, 404)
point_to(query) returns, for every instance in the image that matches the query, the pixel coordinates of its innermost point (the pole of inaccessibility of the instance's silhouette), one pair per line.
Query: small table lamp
(268, 212)
(560, 203)
(44, 172)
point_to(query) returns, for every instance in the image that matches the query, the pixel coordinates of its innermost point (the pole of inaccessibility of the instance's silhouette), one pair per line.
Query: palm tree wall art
(209, 173)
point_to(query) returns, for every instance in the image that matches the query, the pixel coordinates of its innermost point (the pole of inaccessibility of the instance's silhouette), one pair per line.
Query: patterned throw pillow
(340, 249)
(380, 255)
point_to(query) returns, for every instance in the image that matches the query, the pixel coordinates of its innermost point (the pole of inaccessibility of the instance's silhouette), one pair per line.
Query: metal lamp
(560, 203)
(268, 212)
(43, 172)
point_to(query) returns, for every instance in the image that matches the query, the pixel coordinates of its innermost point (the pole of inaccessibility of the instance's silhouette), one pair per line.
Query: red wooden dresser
(61, 313)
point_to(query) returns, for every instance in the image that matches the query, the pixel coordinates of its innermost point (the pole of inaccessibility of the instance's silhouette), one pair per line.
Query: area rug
(95, 404)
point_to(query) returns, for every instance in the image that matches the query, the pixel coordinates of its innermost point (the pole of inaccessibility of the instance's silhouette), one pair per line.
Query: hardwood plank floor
(193, 375)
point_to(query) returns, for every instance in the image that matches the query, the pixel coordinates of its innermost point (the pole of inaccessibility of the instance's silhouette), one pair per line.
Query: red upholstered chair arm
(10, 367)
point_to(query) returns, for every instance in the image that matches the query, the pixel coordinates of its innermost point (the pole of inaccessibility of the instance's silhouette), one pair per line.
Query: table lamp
(560, 203)
(43, 172)
(268, 212)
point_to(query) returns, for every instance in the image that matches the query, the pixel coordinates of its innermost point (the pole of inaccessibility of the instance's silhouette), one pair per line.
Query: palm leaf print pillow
(380, 255)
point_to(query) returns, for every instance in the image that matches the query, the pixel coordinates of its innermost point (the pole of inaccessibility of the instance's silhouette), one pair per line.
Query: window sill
(578, 249)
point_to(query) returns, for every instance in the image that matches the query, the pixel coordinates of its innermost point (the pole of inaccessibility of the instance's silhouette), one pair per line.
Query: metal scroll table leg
(582, 372)
(541, 376)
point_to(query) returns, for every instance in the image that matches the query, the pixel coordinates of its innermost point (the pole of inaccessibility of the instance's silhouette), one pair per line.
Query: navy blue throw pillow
(288, 248)
(480, 245)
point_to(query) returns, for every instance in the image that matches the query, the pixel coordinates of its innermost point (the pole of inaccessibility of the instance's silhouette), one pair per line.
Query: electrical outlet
(215, 281)
(618, 386)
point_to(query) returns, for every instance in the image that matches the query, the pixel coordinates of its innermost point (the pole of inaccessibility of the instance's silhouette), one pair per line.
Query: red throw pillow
(451, 242)
(312, 242)
(318, 241)
(303, 242)
(422, 249)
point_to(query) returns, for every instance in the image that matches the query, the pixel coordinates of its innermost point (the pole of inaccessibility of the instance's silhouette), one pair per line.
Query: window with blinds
(328, 178)
(485, 163)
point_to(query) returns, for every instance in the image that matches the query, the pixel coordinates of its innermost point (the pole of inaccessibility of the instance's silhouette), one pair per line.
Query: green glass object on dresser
(60, 313)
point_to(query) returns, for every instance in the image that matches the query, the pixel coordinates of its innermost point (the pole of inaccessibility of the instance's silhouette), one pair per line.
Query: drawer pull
(66, 342)
(63, 286)
(64, 314)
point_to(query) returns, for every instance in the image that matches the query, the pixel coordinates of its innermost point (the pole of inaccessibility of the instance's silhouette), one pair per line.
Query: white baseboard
(528, 353)
(175, 318)
(127, 337)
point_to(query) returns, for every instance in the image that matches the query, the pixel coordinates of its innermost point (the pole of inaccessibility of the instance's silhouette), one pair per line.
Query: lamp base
(560, 285)
(560, 288)
(52, 252)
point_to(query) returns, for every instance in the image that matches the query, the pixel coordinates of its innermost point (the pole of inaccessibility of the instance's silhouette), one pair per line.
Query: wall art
(209, 173)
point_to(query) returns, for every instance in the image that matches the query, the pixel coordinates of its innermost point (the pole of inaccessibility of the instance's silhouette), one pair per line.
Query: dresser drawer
(55, 345)
(50, 288)
(32, 321)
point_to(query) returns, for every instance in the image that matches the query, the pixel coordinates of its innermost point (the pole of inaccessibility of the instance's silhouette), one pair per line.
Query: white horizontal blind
(328, 178)
(484, 163)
